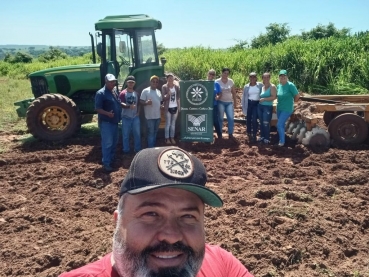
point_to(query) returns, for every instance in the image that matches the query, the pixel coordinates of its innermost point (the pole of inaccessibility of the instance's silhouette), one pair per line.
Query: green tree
(322, 31)
(275, 33)
(8, 58)
(52, 54)
(240, 45)
(161, 49)
(21, 57)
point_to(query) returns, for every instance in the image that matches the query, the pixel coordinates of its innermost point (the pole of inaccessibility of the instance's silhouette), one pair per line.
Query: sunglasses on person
(211, 74)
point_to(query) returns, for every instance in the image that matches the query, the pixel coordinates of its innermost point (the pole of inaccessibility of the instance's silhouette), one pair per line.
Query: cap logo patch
(175, 163)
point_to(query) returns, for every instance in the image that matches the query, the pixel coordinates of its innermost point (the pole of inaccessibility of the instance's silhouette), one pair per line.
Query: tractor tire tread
(39, 104)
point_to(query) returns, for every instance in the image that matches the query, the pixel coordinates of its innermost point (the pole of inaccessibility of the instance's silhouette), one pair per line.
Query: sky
(186, 23)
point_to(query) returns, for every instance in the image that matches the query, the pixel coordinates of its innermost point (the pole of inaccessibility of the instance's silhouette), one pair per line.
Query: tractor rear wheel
(53, 117)
(348, 129)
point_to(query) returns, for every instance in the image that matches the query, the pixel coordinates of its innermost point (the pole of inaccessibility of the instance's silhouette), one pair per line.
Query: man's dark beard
(138, 261)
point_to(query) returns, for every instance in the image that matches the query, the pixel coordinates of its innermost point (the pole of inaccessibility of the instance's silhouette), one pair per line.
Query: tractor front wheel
(53, 117)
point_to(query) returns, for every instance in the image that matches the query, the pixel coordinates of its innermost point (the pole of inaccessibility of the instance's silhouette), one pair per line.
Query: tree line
(280, 32)
(12, 55)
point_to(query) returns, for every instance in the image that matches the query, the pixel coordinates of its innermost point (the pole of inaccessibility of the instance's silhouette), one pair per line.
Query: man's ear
(115, 216)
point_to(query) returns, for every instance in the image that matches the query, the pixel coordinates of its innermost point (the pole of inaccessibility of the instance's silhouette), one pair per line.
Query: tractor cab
(126, 45)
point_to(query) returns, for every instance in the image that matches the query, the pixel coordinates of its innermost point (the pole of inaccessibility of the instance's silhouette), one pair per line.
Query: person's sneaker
(173, 140)
(280, 144)
(167, 141)
(108, 168)
(265, 141)
(260, 139)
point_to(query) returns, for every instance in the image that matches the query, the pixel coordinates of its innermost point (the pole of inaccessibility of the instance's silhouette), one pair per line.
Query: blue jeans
(216, 124)
(170, 124)
(131, 125)
(265, 113)
(252, 117)
(226, 107)
(152, 131)
(109, 140)
(282, 118)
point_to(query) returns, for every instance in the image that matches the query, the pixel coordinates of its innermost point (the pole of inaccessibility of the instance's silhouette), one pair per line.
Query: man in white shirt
(151, 99)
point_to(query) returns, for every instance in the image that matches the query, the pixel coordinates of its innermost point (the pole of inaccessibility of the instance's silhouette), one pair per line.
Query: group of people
(256, 102)
(257, 105)
(125, 107)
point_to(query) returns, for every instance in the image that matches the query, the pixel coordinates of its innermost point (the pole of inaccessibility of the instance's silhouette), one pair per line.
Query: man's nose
(170, 232)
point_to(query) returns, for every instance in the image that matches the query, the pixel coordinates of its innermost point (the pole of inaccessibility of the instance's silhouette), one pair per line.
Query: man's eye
(188, 216)
(150, 214)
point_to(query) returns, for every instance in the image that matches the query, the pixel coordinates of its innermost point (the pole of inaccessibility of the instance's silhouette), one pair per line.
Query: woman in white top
(250, 103)
(170, 93)
(226, 100)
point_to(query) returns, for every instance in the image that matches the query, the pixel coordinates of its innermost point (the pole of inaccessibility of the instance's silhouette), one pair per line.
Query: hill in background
(37, 50)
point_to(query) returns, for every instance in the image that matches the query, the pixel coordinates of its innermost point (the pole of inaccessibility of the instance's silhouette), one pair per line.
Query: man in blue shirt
(109, 109)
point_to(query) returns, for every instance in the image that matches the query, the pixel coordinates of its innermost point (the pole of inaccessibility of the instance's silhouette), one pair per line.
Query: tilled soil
(289, 211)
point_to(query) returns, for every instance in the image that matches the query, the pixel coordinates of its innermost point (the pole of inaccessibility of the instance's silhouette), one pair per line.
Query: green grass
(21, 70)
(90, 129)
(326, 66)
(12, 90)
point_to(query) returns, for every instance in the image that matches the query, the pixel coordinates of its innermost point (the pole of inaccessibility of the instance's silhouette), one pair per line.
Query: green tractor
(65, 96)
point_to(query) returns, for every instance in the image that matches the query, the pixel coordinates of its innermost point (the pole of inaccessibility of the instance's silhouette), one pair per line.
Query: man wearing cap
(250, 102)
(151, 99)
(287, 94)
(108, 107)
(160, 222)
(130, 116)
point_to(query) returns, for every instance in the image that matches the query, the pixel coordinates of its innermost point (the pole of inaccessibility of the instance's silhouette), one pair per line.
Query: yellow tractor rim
(55, 118)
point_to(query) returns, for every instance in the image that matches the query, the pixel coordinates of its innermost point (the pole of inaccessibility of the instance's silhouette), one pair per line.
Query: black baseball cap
(130, 79)
(173, 167)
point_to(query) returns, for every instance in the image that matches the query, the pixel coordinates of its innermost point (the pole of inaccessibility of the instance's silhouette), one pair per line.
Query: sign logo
(196, 123)
(197, 94)
(175, 163)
